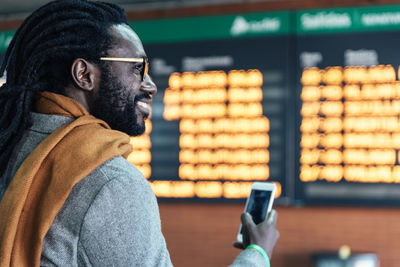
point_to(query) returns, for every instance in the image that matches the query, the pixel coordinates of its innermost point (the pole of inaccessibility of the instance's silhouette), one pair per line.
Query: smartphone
(259, 203)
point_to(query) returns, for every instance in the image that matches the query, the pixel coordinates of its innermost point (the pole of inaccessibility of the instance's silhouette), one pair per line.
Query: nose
(148, 85)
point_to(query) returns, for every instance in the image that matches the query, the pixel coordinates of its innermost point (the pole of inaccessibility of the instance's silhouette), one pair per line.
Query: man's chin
(136, 130)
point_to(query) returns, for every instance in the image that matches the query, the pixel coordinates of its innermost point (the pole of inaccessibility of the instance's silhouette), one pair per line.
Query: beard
(116, 105)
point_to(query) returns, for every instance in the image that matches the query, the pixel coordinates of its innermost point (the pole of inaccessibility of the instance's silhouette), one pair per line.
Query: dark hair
(41, 53)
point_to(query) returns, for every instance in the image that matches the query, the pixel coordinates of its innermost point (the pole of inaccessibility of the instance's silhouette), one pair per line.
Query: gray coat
(110, 218)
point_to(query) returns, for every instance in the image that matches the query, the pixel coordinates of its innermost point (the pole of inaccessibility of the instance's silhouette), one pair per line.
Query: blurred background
(301, 93)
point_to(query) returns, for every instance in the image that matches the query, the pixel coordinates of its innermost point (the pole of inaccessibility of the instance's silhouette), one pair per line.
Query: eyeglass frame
(144, 60)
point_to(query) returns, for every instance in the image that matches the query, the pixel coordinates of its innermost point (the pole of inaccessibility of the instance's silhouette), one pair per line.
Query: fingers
(247, 220)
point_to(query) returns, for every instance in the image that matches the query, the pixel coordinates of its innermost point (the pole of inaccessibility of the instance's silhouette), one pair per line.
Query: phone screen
(258, 205)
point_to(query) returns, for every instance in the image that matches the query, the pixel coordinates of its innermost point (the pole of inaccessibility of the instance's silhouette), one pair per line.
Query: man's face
(123, 98)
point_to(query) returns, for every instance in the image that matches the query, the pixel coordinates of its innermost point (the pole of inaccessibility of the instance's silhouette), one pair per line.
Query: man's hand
(264, 234)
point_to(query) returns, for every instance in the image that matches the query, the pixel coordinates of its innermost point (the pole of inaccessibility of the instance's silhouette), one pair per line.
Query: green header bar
(201, 28)
(380, 18)
(5, 39)
(357, 19)
(212, 27)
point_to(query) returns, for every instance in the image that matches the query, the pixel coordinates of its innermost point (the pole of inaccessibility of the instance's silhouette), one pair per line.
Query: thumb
(273, 217)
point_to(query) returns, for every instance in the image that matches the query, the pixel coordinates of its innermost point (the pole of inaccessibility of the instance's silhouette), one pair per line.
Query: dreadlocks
(40, 55)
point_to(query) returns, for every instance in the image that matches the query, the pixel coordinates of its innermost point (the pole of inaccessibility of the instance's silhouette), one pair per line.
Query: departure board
(309, 100)
(218, 118)
(349, 106)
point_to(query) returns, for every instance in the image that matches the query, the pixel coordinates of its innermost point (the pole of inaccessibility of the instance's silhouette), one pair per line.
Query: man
(77, 86)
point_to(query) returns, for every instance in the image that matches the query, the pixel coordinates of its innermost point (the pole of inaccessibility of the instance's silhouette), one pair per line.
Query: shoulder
(120, 183)
(108, 214)
(122, 222)
(112, 186)
(118, 169)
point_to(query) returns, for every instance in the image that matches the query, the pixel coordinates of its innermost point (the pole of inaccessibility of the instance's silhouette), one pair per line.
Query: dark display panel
(218, 118)
(348, 117)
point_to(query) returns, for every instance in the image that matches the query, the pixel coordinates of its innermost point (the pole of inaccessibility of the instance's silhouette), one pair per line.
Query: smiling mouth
(144, 107)
(142, 104)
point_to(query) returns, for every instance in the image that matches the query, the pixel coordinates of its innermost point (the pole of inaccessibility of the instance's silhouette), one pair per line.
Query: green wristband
(261, 251)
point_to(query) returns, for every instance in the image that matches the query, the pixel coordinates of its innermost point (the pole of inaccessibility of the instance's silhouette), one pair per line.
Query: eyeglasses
(143, 60)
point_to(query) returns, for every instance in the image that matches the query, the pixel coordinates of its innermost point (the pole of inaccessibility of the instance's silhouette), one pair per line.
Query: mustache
(143, 96)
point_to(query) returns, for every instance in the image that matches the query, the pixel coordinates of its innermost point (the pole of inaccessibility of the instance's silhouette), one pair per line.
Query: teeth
(142, 104)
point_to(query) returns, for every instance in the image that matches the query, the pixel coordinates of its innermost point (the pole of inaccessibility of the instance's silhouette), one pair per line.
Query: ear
(84, 74)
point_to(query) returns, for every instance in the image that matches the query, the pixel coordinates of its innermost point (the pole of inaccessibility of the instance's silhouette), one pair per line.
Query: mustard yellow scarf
(44, 180)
